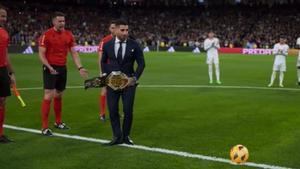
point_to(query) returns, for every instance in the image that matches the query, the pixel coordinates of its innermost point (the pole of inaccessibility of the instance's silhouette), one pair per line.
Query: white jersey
(298, 45)
(280, 51)
(298, 41)
(211, 46)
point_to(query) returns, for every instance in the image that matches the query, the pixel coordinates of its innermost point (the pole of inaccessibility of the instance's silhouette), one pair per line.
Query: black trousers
(127, 95)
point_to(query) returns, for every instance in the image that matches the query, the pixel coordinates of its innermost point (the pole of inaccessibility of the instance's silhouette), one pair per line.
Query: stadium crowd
(250, 26)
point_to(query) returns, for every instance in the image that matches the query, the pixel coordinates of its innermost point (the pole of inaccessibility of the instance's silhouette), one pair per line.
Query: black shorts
(58, 81)
(4, 82)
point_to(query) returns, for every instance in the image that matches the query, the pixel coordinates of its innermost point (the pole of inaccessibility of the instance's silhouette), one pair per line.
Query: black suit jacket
(133, 53)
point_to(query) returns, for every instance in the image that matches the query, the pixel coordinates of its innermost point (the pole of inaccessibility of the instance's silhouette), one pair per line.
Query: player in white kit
(211, 45)
(298, 60)
(280, 51)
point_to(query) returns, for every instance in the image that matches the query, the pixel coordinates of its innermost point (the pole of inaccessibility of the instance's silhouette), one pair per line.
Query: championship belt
(95, 82)
(115, 80)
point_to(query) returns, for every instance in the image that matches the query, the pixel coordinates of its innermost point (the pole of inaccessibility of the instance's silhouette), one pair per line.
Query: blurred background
(183, 23)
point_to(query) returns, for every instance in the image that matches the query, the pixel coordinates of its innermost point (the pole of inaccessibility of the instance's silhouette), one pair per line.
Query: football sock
(298, 73)
(210, 72)
(217, 72)
(281, 77)
(57, 109)
(102, 105)
(2, 116)
(45, 113)
(273, 77)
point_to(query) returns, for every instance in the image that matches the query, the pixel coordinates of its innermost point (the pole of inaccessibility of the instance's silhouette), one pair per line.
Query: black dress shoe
(4, 140)
(128, 141)
(115, 141)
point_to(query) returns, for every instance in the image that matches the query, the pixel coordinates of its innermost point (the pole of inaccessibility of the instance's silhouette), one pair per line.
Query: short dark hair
(282, 37)
(112, 22)
(3, 7)
(121, 22)
(56, 14)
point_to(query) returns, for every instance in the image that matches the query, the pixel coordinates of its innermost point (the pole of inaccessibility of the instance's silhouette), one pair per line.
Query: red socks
(102, 105)
(46, 109)
(57, 109)
(2, 116)
(45, 113)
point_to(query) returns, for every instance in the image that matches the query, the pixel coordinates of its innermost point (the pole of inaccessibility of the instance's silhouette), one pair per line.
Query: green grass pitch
(207, 121)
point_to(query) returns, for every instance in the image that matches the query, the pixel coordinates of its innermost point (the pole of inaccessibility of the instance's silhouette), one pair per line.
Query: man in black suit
(120, 54)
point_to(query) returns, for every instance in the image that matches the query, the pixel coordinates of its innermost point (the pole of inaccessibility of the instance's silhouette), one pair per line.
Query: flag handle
(17, 94)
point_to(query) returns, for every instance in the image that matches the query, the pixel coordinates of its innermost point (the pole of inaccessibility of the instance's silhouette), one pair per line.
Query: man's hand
(12, 79)
(52, 71)
(83, 73)
(102, 74)
(131, 81)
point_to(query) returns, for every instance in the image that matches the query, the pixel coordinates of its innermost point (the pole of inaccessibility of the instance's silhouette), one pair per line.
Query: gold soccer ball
(239, 154)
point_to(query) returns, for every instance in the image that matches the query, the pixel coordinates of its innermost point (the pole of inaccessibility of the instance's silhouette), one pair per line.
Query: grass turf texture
(205, 121)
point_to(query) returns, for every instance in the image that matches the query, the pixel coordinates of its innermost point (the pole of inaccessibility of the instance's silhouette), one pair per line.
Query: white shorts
(214, 59)
(279, 67)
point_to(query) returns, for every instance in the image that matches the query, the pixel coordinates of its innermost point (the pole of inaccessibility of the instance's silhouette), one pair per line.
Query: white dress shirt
(117, 45)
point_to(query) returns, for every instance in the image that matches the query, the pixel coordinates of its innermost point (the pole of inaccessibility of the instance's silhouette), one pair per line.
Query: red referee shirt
(4, 40)
(103, 41)
(57, 44)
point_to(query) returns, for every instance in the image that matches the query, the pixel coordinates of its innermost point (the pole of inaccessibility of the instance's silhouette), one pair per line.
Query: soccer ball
(239, 154)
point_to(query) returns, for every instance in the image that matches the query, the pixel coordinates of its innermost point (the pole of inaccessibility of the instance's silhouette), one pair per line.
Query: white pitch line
(220, 87)
(190, 86)
(151, 149)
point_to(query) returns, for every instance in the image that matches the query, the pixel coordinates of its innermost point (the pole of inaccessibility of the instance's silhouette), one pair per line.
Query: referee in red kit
(6, 72)
(54, 46)
(102, 97)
